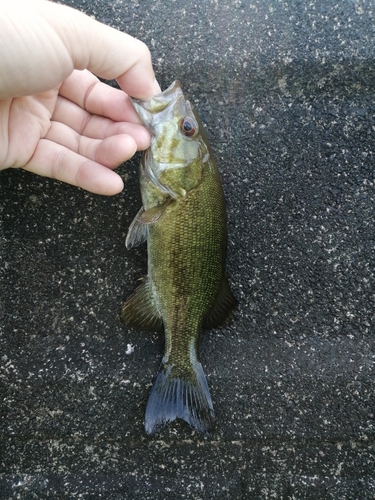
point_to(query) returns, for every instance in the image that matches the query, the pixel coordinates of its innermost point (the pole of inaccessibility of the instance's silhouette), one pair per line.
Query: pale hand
(56, 118)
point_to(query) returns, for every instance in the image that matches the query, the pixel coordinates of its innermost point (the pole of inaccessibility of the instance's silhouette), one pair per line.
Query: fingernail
(157, 88)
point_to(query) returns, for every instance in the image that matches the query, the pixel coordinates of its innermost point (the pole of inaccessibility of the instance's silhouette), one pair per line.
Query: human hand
(56, 118)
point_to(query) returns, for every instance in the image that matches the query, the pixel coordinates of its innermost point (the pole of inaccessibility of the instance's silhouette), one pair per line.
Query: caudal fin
(181, 394)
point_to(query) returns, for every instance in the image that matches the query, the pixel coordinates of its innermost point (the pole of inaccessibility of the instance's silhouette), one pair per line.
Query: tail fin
(181, 394)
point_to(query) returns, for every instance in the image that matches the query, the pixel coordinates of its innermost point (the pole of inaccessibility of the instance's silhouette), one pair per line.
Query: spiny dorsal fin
(139, 311)
(223, 308)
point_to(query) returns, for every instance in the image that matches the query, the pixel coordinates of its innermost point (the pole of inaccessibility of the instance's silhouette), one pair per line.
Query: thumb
(42, 42)
(105, 51)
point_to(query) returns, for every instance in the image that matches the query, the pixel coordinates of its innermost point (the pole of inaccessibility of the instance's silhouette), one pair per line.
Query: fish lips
(157, 109)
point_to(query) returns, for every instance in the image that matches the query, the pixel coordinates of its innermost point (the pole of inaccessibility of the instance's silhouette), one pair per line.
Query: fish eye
(188, 126)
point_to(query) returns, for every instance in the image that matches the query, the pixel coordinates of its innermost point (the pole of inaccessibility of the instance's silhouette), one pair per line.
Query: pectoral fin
(139, 311)
(153, 214)
(223, 309)
(137, 233)
(138, 230)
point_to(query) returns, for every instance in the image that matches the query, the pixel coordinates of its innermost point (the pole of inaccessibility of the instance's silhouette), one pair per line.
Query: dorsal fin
(223, 308)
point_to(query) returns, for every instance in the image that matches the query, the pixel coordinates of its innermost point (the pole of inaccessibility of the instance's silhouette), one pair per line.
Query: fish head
(179, 149)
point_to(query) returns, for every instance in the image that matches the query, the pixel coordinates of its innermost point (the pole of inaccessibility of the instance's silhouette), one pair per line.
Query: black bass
(186, 290)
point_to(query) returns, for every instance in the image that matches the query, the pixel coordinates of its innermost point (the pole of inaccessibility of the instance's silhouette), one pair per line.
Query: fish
(186, 290)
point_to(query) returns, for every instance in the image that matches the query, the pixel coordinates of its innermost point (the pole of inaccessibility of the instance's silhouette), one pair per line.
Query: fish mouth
(151, 110)
(173, 90)
(159, 101)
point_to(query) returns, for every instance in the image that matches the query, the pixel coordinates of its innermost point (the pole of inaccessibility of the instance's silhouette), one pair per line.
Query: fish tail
(180, 393)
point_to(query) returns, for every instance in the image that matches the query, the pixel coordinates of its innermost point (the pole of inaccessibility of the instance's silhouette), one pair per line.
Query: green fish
(183, 219)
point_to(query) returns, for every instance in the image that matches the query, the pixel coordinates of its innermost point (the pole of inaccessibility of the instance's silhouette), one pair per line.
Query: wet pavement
(286, 91)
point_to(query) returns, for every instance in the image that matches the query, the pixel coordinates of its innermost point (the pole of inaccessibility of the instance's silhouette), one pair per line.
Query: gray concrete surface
(286, 90)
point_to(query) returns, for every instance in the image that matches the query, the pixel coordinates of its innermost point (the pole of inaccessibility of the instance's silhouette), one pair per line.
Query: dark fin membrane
(139, 311)
(180, 394)
(223, 309)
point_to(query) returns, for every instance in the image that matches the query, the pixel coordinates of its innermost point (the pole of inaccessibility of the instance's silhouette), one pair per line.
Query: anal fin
(223, 308)
(139, 311)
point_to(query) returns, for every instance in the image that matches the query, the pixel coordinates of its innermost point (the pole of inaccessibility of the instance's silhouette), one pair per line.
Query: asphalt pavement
(286, 91)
